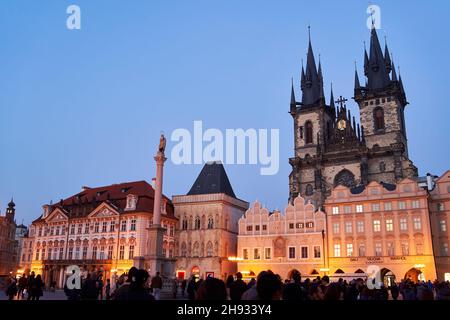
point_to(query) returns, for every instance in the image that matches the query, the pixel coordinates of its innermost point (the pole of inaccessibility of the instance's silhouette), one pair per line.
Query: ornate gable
(56, 216)
(104, 210)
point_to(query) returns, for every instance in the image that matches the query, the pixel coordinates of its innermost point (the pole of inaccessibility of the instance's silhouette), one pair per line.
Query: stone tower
(331, 148)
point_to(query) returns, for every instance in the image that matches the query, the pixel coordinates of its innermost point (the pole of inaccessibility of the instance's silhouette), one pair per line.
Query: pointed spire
(292, 92)
(387, 57)
(400, 82)
(357, 84)
(378, 74)
(332, 106)
(322, 95)
(366, 61)
(394, 73)
(311, 88)
(359, 132)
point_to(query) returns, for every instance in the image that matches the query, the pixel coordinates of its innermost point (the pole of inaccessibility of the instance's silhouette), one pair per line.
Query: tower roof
(377, 73)
(212, 179)
(312, 86)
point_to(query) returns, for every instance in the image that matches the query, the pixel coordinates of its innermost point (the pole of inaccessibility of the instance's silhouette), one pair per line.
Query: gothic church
(331, 148)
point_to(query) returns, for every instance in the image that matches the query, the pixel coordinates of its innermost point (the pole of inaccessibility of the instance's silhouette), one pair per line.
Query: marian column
(154, 261)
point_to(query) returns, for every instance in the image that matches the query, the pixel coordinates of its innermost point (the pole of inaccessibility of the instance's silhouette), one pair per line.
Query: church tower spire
(313, 85)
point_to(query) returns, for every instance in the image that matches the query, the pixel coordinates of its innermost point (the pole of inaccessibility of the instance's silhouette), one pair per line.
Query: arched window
(183, 249)
(197, 223)
(210, 223)
(378, 118)
(308, 132)
(309, 190)
(209, 249)
(184, 224)
(195, 249)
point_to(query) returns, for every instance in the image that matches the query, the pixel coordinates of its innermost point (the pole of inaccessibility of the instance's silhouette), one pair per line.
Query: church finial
(394, 73)
(357, 83)
(293, 102)
(332, 106)
(387, 57)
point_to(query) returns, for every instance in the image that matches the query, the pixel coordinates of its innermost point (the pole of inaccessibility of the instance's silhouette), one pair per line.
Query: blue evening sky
(86, 107)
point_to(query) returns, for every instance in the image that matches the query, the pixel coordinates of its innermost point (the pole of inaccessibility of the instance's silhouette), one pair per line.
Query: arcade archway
(414, 275)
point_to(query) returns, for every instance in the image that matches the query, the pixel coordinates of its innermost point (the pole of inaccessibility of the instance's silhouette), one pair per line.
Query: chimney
(153, 183)
(430, 183)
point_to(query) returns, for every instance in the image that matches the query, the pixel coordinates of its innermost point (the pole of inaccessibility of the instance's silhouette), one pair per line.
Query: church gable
(56, 216)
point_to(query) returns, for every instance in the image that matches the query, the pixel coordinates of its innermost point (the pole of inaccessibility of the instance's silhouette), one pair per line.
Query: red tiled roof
(82, 203)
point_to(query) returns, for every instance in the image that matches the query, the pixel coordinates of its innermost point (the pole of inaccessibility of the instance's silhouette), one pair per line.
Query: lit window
(443, 225)
(245, 254)
(256, 254)
(389, 225)
(376, 225)
(349, 249)
(267, 253)
(337, 250)
(348, 227)
(440, 207)
(417, 223)
(335, 210)
(291, 252)
(359, 208)
(360, 226)
(403, 224)
(316, 252)
(387, 206)
(336, 228)
(378, 249)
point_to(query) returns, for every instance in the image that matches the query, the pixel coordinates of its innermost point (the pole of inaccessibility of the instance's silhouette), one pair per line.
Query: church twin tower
(331, 148)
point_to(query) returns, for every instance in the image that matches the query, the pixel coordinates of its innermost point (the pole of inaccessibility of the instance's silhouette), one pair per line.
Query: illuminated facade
(295, 239)
(99, 229)
(208, 224)
(8, 243)
(439, 204)
(383, 225)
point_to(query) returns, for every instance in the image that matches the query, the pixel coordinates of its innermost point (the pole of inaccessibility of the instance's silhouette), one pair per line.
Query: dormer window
(131, 202)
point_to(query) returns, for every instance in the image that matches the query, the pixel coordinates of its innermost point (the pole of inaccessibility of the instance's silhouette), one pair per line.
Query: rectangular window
(61, 253)
(49, 257)
(291, 226)
(256, 254)
(443, 225)
(70, 253)
(86, 228)
(415, 204)
(249, 228)
(37, 255)
(444, 249)
(267, 253)
(362, 250)
(264, 227)
(310, 224)
(440, 207)
(57, 231)
(389, 225)
(110, 252)
(348, 227)
(122, 252)
(85, 251)
(77, 253)
(245, 254)
(401, 205)
(291, 252)
(257, 227)
(104, 226)
(97, 227)
(335, 210)
(337, 250)
(133, 225)
(317, 252)
(94, 253)
(405, 247)
(40, 232)
(80, 228)
(376, 225)
(390, 248)
(417, 223)
(52, 230)
(304, 252)
(72, 229)
(123, 225)
(347, 209)
(300, 225)
(112, 226)
(378, 249)
(387, 206)
(102, 253)
(63, 230)
(403, 224)
(349, 249)
(375, 207)
(359, 208)
(336, 228)
(360, 226)
(131, 252)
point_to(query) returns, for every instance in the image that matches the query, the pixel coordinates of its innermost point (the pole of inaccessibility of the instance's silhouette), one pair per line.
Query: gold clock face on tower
(342, 124)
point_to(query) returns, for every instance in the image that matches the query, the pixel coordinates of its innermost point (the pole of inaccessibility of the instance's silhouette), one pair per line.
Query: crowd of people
(138, 285)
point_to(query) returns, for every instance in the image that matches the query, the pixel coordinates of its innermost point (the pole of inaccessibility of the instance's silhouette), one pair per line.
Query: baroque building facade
(208, 225)
(331, 148)
(383, 226)
(100, 229)
(281, 242)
